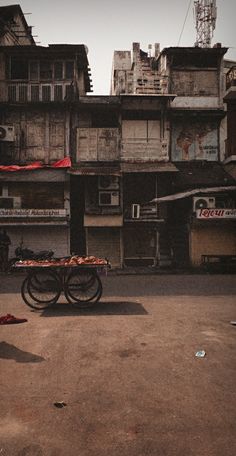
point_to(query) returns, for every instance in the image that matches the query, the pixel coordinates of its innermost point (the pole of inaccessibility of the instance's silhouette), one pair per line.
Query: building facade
(39, 89)
(144, 176)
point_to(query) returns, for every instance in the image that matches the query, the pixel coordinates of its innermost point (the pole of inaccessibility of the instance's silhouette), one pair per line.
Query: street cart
(77, 277)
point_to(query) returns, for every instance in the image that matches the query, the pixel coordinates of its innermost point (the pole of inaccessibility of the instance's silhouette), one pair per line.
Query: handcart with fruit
(77, 277)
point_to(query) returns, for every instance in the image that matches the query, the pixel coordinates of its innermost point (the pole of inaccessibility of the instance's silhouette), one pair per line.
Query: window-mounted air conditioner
(135, 211)
(108, 183)
(202, 202)
(7, 133)
(9, 202)
(109, 198)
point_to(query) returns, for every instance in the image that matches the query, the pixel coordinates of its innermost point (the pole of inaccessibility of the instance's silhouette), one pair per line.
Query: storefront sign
(33, 213)
(207, 214)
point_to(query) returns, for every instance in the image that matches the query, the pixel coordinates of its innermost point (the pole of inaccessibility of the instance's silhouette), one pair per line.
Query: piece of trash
(10, 319)
(200, 354)
(60, 404)
(233, 323)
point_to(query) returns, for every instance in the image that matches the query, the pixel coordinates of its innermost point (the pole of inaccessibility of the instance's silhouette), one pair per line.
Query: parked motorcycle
(28, 254)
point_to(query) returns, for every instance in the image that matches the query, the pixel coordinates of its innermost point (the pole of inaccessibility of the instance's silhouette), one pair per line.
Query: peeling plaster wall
(39, 135)
(194, 141)
(97, 144)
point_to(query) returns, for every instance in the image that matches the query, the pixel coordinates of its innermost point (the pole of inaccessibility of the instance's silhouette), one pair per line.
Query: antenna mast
(205, 14)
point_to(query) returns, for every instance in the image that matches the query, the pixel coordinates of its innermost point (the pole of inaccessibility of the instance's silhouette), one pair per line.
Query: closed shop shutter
(105, 243)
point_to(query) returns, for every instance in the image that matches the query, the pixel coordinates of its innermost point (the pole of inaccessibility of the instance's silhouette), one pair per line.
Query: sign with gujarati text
(33, 212)
(206, 214)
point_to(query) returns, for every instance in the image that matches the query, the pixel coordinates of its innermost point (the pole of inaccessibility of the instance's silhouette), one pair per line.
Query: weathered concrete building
(39, 87)
(193, 133)
(14, 30)
(162, 131)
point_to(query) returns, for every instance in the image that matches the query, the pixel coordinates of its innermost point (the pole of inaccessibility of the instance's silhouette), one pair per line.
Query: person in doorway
(4, 250)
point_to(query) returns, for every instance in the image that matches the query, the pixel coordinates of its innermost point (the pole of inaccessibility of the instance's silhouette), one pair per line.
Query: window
(19, 69)
(68, 92)
(12, 93)
(58, 93)
(46, 93)
(69, 70)
(136, 130)
(58, 70)
(23, 93)
(34, 93)
(45, 70)
(34, 71)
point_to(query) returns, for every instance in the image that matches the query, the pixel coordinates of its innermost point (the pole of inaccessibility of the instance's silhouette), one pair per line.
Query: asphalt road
(126, 370)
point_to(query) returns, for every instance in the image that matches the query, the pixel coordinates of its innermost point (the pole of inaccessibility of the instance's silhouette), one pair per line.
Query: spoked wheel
(26, 297)
(41, 289)
(83, 288)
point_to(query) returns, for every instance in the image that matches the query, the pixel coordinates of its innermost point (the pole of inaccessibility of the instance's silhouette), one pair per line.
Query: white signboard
(33, 213)
(206, 214)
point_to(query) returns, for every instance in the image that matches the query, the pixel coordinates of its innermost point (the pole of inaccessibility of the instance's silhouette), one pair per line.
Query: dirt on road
(125, 370)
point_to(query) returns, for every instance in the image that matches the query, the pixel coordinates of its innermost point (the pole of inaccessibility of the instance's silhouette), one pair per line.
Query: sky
(107, 25)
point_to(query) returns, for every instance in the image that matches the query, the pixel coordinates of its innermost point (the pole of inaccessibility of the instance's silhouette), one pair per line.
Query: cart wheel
(25, 295)
(83, 288)
(44, 289)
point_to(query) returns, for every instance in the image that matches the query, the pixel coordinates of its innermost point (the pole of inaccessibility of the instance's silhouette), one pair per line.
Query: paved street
(126, 370)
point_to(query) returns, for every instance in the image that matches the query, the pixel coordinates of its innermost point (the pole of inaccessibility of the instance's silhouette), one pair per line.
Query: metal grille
(46, 93)
(12, 93)
(58, 93)
(34, 93)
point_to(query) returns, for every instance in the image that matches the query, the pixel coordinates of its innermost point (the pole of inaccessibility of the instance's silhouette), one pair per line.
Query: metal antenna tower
(205, 14)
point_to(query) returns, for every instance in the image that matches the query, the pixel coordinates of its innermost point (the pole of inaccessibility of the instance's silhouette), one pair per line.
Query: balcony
(20, 92)
(97, 144)
(231, 84)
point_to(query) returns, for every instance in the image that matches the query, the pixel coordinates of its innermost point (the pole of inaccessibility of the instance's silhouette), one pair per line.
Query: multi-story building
(146, 160)
(39, 88)
(14, 29)
(171, 136)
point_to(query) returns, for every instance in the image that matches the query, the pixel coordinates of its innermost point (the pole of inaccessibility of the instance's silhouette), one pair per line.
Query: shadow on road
(100, 308)
(9, 351)
(147, 285)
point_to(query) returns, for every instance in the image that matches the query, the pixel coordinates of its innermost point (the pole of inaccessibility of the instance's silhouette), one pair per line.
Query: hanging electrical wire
(190, 1)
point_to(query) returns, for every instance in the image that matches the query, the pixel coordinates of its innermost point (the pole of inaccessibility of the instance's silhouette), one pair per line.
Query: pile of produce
(74, 260)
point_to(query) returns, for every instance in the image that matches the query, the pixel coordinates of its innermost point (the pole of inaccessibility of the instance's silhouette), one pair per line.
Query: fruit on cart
(74, 260)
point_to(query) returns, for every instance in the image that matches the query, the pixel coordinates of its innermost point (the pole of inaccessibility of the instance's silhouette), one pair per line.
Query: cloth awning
(64, 163)
(195, 191)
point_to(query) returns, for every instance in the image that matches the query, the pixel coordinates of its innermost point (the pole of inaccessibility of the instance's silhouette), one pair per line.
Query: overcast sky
(107, 25)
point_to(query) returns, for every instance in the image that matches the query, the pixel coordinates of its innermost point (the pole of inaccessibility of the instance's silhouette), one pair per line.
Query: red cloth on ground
(10, 319)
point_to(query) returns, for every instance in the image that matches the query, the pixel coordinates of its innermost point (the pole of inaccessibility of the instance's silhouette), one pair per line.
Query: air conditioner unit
(108, 183)
(202, 202)
(10, 202)
(109, 198)
(135, 211)
(7, 133)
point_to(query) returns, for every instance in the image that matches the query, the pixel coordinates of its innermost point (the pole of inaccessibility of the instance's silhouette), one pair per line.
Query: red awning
(64, 163)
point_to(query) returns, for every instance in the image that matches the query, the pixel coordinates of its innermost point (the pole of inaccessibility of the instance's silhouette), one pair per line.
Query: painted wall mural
(195, 141)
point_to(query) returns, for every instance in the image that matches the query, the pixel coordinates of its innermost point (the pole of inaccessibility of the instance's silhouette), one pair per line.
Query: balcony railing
(39, 92)
(231, 78)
